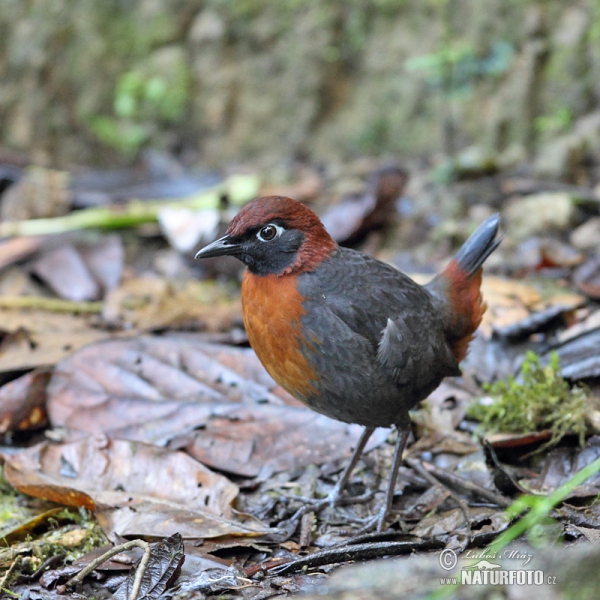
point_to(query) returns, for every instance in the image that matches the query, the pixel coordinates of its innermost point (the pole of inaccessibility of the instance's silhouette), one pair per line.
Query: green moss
(542, 399)
(12, 511)
(71, 541)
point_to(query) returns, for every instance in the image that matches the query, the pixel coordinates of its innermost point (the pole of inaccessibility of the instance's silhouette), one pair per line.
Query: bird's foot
(316, 505)
(332, 500)
(375, 523)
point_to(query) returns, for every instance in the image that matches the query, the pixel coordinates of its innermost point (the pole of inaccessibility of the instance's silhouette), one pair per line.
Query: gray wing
(372, 320)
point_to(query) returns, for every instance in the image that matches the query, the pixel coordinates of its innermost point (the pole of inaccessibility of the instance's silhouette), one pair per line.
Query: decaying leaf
(37, 338)
(151, 387)
(164, 566)
(152, 304)
(23, 402)
(560, 466)
(154, 389)
(64, 271)
(358, 214)
(587, 277)
(511, 301)
(135, 489)
(264, 438)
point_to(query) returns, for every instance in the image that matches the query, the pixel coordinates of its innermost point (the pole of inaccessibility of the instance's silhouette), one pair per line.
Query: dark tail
(479, 246)
(458, 286)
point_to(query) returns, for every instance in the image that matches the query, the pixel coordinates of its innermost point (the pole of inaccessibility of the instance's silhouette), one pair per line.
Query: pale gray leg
(397, 461)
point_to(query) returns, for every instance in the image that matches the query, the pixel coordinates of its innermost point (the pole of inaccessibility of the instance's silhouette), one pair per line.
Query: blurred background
(131, 131)
(220, 81)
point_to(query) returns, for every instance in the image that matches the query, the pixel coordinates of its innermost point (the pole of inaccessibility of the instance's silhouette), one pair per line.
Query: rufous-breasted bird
(348, 335)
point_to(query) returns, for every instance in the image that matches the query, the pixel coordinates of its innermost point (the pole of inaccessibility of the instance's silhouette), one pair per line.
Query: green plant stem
(239, 189)
(50, 304)
(539, 508)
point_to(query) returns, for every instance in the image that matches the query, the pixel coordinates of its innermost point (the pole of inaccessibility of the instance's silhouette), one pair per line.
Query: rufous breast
(272, 310)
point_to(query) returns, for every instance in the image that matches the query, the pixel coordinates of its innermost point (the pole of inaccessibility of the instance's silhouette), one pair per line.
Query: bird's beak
(222, 247)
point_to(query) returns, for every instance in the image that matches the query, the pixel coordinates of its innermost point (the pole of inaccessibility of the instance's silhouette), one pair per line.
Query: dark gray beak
(222, 247)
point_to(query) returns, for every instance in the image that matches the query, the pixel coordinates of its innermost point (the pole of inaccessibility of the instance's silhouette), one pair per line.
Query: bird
(350, 336)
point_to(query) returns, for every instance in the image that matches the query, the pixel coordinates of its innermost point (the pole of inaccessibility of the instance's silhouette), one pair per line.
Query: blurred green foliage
(141, 101)
(455, 68)
(555, 123)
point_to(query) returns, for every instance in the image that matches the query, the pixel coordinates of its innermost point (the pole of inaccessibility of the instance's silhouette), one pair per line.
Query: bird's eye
(269, 232)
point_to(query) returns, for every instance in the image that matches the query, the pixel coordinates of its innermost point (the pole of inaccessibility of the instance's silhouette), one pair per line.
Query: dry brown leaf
(65, 272)
(23, 402)
(18, 248)
(150, 388)
(587, 277)
(155, 389)
(135, 489)
(510, 301)
(37, 338)
(263, 439)
(358, 214)
(152, 304)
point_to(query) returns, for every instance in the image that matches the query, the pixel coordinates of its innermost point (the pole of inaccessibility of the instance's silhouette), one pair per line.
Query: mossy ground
(540, 399)
(32, 531)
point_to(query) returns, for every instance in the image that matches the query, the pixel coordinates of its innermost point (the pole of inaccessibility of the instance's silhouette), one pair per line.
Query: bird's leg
(312, 505)
(380, 518)
(396, 462)
(336, 492)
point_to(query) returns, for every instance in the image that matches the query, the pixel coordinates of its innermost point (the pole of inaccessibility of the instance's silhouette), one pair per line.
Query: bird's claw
(316, 505)
(374, 523)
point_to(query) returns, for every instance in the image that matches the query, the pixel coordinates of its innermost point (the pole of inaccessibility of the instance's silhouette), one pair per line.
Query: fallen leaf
(104, 257)
(151, 388)
(23, 402)
(358, 214)
(18, 248)
(163, 568)
(217, 401)
(587, 277)
(152, 304)
(263, 439)
(135, 489)
(560, 466)
(37, 338)
(511, 301)
(65, 272)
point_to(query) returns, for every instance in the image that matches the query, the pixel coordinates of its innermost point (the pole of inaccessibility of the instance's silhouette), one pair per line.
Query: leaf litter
(140, 420)
(134, 489)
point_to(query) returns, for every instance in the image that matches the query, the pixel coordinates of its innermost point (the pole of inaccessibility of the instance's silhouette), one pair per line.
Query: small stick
(141, 568)
(9, 571)
(464, 507)
(348, 553)
(460, 482)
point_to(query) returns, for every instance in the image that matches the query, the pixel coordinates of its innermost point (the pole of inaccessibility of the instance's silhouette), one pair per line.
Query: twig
(464, 507)
(50, 304)
(141, 568)
(51, 561)
(460, 482)
(6, 575)
(307, 521)
(139, 573)
(354, 552)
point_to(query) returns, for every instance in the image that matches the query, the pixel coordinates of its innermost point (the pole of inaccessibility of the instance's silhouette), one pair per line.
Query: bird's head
(274, 235)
